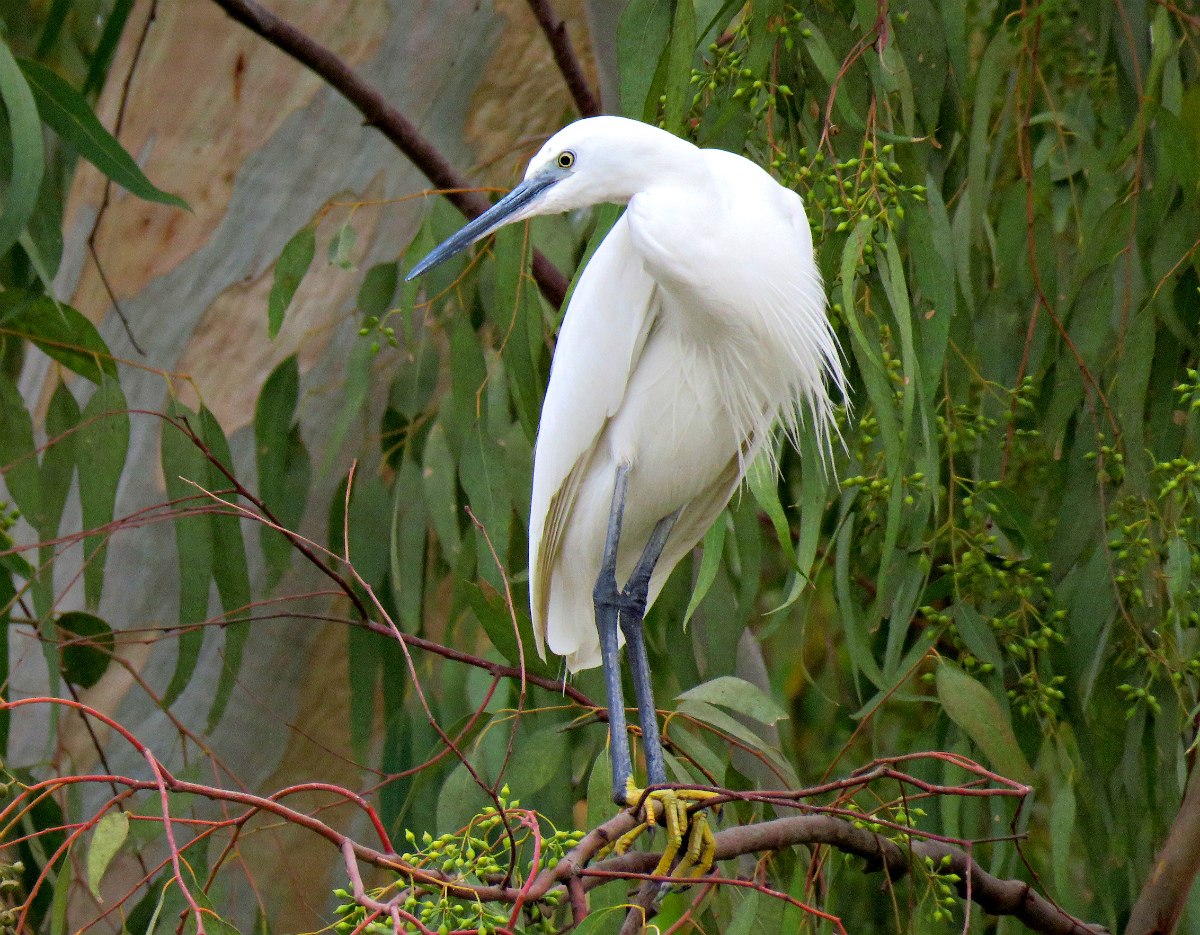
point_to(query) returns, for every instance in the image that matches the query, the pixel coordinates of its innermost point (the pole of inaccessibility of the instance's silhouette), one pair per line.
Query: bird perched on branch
(698, 324)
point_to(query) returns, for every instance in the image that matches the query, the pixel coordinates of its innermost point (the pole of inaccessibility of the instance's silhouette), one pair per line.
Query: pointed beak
(512, 207)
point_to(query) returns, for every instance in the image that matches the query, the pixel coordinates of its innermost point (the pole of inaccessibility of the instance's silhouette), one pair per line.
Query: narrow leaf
(114, 25)
(342, 245)
(103, 443)
(107, 837)
(59, 331)
(1062, 827)
(67, 112)
(18, 462)
(182, 461)
(293, 263)
(283, 464)
(738, 695)
(972, 708)
(710, 561)
(229, 567)
(27, 156)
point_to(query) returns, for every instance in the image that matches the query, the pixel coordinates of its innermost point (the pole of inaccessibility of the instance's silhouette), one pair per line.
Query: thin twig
(105, 200)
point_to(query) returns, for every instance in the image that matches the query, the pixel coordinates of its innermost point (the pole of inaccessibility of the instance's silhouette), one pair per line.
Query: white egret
(699, 322)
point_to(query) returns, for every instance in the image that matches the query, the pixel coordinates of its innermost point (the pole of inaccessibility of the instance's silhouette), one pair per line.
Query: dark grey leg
(632, 613)
(608, 600)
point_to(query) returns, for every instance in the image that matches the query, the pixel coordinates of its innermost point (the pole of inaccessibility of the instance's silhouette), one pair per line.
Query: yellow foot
(669, 807)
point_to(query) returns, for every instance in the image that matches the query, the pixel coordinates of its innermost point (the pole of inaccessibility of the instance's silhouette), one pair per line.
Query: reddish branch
(572, 875)
(378, 113)
(565, 57)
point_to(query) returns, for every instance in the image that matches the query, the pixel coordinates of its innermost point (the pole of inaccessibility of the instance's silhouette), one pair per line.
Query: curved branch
(565, 58)
(573, 875)
(997, 896)
(378, 113)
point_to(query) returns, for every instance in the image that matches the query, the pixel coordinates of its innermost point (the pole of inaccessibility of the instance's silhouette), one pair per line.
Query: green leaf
(517, 314)
(55, 20)
(283, 464)
(342, 245)
(460, 800)
(67, 112)
(59, 331)
(378, 289)
(8, 597)
(62, 887)
(107, 837)
(87, 649)
(710, 561)
(744, 916)
(680, 49)
(103, 443)
(114, 26)
(1062, 827)
(976, 634)
(27, 163)
(293, 263)
(705, 713)
(738, 695)
(642, 37)
(365, 664)
(407, 546)
(229, 567)
(603, 900)
(183, 461)
(763, 481)
(18, 462)
(993, 69)
(972, 708)
(440, 481)
(58, 460)
(1178, 567)
(354, 397)
(481, 472)
(538, 759)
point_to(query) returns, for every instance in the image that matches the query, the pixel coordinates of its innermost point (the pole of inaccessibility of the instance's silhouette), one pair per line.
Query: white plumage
(699, 322)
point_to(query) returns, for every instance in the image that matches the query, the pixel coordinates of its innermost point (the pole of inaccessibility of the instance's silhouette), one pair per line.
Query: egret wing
(604, 330)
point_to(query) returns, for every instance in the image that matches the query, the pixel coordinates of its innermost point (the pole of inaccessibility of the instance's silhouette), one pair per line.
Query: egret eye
(566, 159)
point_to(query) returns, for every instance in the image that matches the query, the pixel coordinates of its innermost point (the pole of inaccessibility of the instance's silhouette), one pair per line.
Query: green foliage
(1005, 562)
(505, 843)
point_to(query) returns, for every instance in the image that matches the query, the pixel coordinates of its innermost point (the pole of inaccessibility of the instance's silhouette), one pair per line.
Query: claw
(670, 808)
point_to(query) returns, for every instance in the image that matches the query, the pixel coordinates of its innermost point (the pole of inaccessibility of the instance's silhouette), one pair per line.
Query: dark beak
(509, 208)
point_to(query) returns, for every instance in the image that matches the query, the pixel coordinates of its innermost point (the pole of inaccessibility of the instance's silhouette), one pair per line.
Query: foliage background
(1005, 566)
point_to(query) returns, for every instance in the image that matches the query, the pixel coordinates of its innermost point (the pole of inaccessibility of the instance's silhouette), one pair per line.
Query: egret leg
(608, 600)
(626, 608)
(633, 612)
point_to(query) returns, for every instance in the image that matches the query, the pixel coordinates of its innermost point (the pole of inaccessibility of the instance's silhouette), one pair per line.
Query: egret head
(592, 161)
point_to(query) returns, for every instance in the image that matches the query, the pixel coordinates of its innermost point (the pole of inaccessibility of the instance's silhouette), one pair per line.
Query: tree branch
(565, 57)
(1000, 897)
(385, 118)
(1165, 892)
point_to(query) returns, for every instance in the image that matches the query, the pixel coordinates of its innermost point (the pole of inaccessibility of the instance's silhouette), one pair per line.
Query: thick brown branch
(385, 118)
(996, 896)
(565, 57)
(1165, 892)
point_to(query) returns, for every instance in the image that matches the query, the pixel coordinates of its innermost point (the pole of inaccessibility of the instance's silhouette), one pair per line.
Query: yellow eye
(566, 159)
